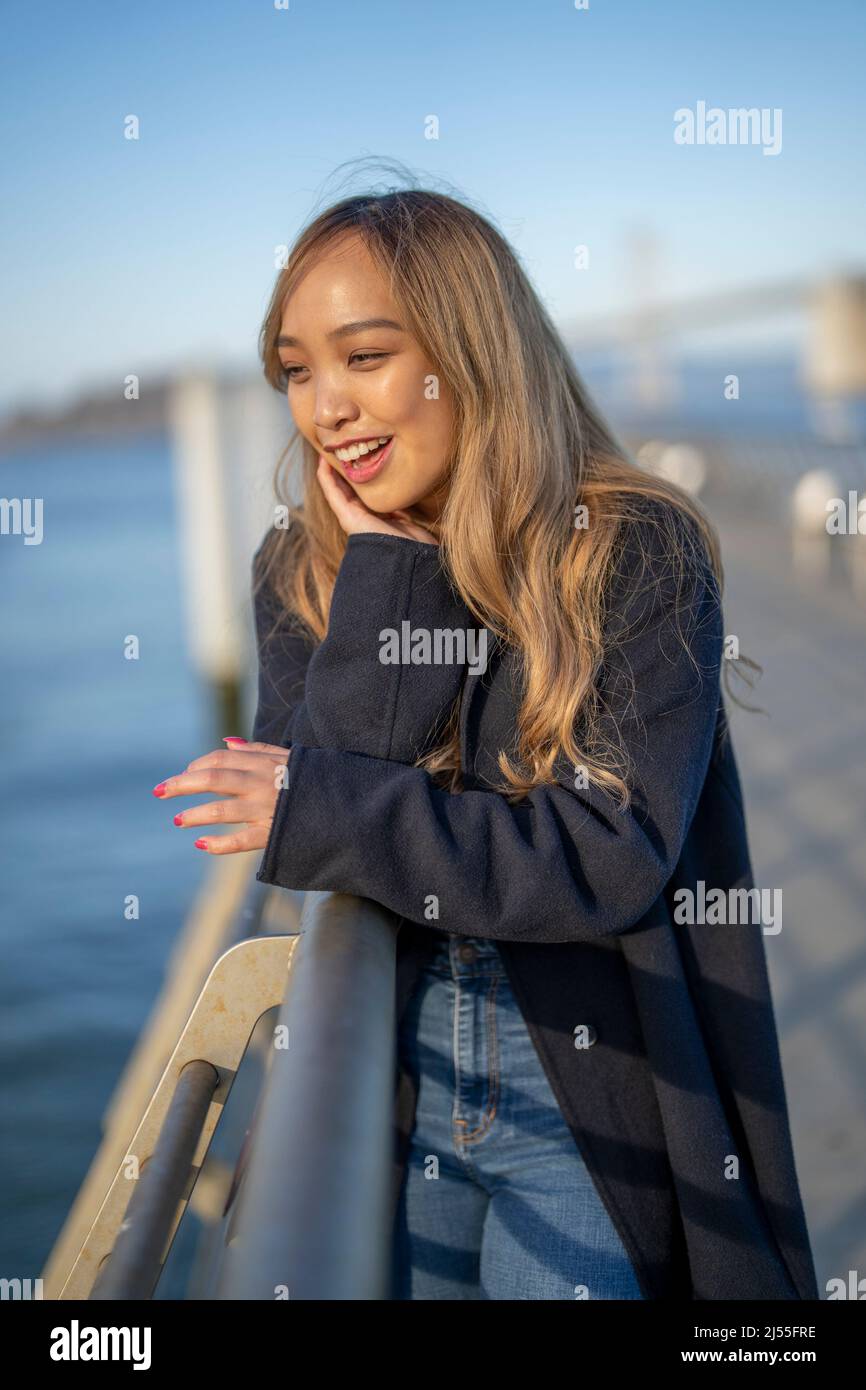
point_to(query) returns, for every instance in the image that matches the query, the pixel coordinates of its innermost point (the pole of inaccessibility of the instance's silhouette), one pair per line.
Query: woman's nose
(333, 411)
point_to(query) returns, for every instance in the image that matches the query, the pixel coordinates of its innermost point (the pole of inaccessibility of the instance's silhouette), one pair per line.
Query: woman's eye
(367, 356)
(290, 372)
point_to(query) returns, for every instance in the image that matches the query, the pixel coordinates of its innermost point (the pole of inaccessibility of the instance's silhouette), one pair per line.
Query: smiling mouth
(353, 452)
(365, 466)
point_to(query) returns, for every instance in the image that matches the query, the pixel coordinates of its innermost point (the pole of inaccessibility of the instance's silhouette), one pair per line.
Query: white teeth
(356, 451)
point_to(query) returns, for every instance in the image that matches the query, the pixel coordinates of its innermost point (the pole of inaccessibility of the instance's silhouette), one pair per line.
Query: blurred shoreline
(773, 399)
(94, 414)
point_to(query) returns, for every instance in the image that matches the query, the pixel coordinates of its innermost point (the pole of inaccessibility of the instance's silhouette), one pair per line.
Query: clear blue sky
(122, 256)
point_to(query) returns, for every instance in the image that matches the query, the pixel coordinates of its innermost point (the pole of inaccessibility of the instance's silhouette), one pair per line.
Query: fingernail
(230, 738)
(178, 820)
(201, 844)
(159, 789)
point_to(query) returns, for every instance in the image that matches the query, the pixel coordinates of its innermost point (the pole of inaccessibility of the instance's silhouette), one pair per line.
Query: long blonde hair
(529, 447)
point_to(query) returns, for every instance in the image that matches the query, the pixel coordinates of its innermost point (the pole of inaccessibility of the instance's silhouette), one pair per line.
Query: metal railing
(136, 1260)
(311, 1218)
(314, 1206)
(229, 907)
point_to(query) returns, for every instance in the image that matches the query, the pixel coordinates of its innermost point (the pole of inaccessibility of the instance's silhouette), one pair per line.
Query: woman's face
(349, 382)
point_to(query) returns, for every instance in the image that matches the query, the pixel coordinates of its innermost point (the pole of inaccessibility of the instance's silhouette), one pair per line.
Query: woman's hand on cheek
(252, 776)
(354, 516)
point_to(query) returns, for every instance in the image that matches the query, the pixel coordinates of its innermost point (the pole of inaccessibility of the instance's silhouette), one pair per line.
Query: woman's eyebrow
(361, 326)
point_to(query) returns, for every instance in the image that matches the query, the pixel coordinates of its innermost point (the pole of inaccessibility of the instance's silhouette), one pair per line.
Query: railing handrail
(314, 1206)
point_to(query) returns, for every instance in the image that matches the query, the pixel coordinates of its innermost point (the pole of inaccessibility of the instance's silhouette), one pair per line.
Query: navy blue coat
(684, 1070)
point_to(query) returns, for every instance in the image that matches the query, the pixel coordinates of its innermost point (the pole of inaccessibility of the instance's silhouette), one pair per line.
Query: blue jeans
(496, 1201)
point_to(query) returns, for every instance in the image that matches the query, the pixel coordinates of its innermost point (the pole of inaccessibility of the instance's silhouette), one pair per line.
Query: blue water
(85, 735)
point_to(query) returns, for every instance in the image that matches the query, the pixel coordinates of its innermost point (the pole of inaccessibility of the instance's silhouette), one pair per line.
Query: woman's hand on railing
(252, 774)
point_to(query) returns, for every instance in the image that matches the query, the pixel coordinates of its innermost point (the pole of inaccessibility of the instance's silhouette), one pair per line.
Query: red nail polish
(178, 820)
(201, 844)
(231, 739)
(159, 789)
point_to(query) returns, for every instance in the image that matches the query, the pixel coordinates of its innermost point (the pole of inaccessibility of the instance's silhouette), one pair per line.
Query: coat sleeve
(284, 652)
(391, 599)
(563, 865)
(340, 690)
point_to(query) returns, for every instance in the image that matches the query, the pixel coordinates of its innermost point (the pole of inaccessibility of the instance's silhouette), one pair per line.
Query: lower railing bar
(136, 1260)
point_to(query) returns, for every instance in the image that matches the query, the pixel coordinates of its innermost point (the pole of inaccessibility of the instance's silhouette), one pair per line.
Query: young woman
(490, 656)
